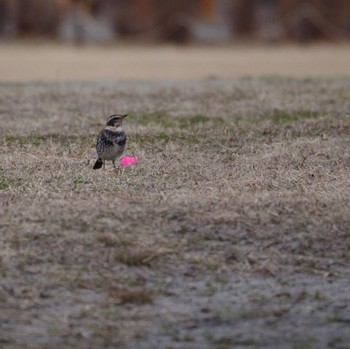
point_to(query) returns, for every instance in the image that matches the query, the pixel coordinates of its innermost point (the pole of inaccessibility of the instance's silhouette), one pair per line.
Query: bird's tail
(98, 164)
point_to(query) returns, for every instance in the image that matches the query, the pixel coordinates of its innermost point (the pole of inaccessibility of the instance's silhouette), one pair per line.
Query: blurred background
(184, 23)
(178, 21)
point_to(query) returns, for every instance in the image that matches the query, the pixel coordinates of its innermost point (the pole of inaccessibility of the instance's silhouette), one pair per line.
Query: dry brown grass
(236, 216)
(123, 296)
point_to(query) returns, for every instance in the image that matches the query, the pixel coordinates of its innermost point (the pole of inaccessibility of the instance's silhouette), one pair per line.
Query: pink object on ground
(128, 161)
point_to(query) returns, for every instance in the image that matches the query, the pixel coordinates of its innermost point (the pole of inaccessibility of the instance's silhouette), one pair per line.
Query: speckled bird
(111, 141)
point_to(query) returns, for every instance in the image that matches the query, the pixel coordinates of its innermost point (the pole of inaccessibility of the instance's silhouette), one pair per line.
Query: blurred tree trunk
(143, 10)
(314, 19)
(206, 8)
(173, 18)
(243, 20)
(340, 14)
(38, 17)
(9, 18)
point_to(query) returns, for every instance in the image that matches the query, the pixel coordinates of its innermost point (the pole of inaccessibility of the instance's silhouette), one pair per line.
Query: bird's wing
(113, 137)
(99, 136)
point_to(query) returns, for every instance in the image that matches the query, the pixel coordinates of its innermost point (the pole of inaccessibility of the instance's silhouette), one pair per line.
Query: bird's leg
(113, 162)
(104, 164)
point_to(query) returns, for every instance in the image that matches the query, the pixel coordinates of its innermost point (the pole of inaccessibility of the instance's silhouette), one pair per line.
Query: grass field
(233, 230)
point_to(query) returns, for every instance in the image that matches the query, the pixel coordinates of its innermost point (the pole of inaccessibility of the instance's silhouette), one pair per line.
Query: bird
(111, 141)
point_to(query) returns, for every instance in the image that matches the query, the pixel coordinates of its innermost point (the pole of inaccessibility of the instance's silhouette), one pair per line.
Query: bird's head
(116, 120)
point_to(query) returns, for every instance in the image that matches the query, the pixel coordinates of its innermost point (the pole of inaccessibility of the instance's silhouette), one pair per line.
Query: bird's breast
(110, 152)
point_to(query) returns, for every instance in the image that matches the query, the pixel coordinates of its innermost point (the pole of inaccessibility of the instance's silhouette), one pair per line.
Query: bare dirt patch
(54, 63)
(232, 230)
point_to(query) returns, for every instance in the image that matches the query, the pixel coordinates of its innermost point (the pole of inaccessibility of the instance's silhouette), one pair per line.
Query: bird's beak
(124, 116)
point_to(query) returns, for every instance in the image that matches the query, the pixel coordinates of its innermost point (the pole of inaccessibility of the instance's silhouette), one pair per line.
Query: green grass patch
(4, 182)
(163, 119)
(58, 139)
(291, 117)
(159, 117)
(307, 343)
(80, 180)
(165, 137)
(191, 121)
(338, 319)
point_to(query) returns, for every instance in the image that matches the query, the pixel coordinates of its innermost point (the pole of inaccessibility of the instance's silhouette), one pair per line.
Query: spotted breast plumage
(111, 141)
